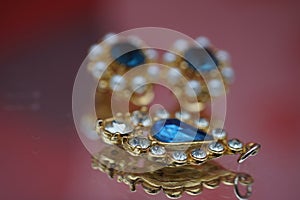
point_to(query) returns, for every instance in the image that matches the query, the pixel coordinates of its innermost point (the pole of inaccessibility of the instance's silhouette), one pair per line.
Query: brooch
(174, 150)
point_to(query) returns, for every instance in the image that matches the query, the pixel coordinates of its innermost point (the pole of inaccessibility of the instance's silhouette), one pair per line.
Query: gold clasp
(251, 150)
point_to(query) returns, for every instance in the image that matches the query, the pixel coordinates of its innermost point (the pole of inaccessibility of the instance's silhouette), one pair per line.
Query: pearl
(216, 87)
(228, 74)
(92, 135)
(151, 54)
(95, 51)
(140, 118)
(87, 127)
(117, 83)
(219, 134)
(203, 41)
(110, 38)
(181, 45)
(173, 75)
(153, 71)
(162, 113)
(98, 69)
(135, 40)
(169, 57)
(183, 115)
(138, 84)
(222, 55)
(192, 88)
(201, 123)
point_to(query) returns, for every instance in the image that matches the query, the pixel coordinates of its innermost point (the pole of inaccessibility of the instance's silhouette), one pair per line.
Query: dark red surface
(44, 42)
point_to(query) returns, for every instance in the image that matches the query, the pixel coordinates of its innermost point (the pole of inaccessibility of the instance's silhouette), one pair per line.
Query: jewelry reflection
(173, 181)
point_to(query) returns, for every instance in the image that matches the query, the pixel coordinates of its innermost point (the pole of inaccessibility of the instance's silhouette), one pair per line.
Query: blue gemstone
(175, 131)
(201, 59)
(127, 54)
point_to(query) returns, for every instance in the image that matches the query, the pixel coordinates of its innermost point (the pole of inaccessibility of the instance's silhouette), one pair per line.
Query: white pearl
(216, 87)
(181, 45)
(202, 123)
(87, 127)
(92, 135)
(110, 38)
(228, 74)
(138, 84)
(153, 71)
(183, 115)
(173, 75)
(203, 41)
(151, 54)
(95, 51)
(135, 40)
(98, 69)
(117, 83)
(169, 57)
(193, 88)
(223, 55)
(218, 134)
(162, 113)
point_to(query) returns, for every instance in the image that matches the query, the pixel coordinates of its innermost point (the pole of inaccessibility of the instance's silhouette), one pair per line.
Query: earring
(207, 68)
(112, 58)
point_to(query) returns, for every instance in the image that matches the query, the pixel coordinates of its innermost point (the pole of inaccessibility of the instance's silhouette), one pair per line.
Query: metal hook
(253, 149)
(236, 188)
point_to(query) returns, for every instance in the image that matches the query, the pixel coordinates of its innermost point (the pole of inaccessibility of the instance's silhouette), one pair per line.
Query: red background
(44, 42)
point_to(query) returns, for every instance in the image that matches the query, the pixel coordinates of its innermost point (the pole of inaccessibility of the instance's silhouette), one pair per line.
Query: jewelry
(170, 140)
(115, 56)
(179, 146)
(198, 62)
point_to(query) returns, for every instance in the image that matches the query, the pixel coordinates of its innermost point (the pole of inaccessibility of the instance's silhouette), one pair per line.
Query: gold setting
(139, 131)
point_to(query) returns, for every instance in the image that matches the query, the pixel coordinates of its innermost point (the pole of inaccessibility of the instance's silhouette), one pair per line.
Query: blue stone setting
(175, 131)
(127, 54)
(201, 59)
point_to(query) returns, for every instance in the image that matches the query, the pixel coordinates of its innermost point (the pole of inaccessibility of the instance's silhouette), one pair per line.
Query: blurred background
(43, 44)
